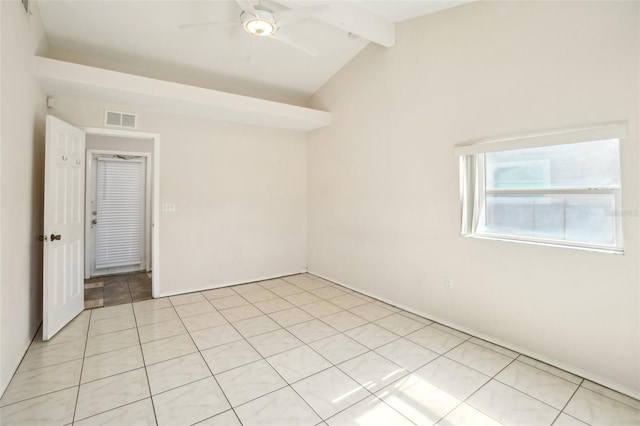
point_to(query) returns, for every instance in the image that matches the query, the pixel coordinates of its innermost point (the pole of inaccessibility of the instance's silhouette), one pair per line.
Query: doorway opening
(120, 213)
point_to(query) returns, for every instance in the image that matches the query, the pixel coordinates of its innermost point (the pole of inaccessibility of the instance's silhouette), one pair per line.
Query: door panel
(119, 210)
(63, 285)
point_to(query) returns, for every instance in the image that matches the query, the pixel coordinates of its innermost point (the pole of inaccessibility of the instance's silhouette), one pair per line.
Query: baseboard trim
(497, 341)
(4, 385)
(231, 283)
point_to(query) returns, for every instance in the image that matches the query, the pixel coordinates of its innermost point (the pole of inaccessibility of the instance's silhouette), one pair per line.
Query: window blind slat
(120, 202)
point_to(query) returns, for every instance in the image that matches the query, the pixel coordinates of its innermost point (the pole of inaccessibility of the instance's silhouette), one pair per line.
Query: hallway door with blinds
(118, 218)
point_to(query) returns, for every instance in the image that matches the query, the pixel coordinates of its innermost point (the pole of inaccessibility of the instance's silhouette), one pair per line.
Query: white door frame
(155, 199)
(90, 246)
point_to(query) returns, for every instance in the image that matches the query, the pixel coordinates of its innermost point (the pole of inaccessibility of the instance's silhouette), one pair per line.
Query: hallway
(117, 289)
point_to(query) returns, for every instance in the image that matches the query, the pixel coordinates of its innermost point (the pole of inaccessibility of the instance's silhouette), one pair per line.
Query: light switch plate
(168, 207)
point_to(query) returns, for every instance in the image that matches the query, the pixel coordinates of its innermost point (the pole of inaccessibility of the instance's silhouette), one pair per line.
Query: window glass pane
(572, 218)
(579, 165)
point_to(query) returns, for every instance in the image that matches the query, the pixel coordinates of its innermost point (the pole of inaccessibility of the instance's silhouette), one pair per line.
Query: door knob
(55, 237)
(94, 222)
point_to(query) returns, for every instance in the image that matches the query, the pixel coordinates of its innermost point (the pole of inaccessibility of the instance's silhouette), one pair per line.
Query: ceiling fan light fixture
(262, 24)
(260, 28)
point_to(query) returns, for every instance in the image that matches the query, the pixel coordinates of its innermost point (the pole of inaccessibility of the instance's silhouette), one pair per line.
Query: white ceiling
(145, 34)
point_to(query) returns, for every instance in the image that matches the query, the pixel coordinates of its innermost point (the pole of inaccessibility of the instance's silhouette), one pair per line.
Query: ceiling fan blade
(206, 24)
(296, 44)
(247, 7)
(287, 17)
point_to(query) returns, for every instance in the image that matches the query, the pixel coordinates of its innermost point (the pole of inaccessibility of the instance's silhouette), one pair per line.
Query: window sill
(546, 244)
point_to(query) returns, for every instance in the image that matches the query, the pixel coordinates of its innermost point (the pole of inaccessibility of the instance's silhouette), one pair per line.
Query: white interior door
(63, 225)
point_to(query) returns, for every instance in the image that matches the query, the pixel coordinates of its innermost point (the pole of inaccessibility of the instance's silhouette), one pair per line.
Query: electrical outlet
(448, 284)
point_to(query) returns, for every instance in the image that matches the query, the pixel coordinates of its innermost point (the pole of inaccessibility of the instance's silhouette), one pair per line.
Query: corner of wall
(22, 112)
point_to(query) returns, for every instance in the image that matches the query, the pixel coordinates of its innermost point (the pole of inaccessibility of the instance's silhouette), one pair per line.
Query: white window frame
(473, 186)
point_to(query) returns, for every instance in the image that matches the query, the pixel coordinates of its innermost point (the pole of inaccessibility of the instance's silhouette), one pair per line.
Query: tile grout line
(531, 396)
(101, 299)
(173, 306)
(28, 371)
(338, 332)
(118, 373)
(110, 409)
(129, 290)
(109, 319)
(567, 403)
(371, 394)
(494, 376)
(42, 366)
(527, 395)
(332, 365)
(513, 388)
(265, 360)
(277, 372)
(607, 396)
(231, 407)
(476, 391)
(484, 347)
(86, 342)
(113, 375)
(41, 395)
(314, 317)
(33, 339)
(119, 281)
(429, 362)
(144, 364)
(368, 349)
(442, 355)
(548, 372)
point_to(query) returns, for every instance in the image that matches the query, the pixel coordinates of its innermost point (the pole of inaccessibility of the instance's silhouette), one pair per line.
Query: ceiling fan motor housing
(262, 24)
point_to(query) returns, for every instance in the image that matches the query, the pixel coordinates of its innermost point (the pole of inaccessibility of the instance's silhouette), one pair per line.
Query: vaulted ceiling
(147, 34)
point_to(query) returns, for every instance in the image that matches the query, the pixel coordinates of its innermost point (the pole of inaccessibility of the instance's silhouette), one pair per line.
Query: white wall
(383, 179)
(177, 74)
(115, 143)
(21, 165)
(240, 193)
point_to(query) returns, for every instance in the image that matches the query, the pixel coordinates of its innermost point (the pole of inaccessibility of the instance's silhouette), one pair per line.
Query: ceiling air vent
(120, 119)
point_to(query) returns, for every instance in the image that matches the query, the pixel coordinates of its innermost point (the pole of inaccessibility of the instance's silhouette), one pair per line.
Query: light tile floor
(292, 351)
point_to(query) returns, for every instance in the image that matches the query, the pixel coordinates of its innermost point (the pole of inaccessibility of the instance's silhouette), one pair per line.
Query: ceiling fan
(261, 21)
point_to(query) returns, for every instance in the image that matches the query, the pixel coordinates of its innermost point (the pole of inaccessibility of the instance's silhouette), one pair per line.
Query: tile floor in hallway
(292, 351)
(117, 289)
